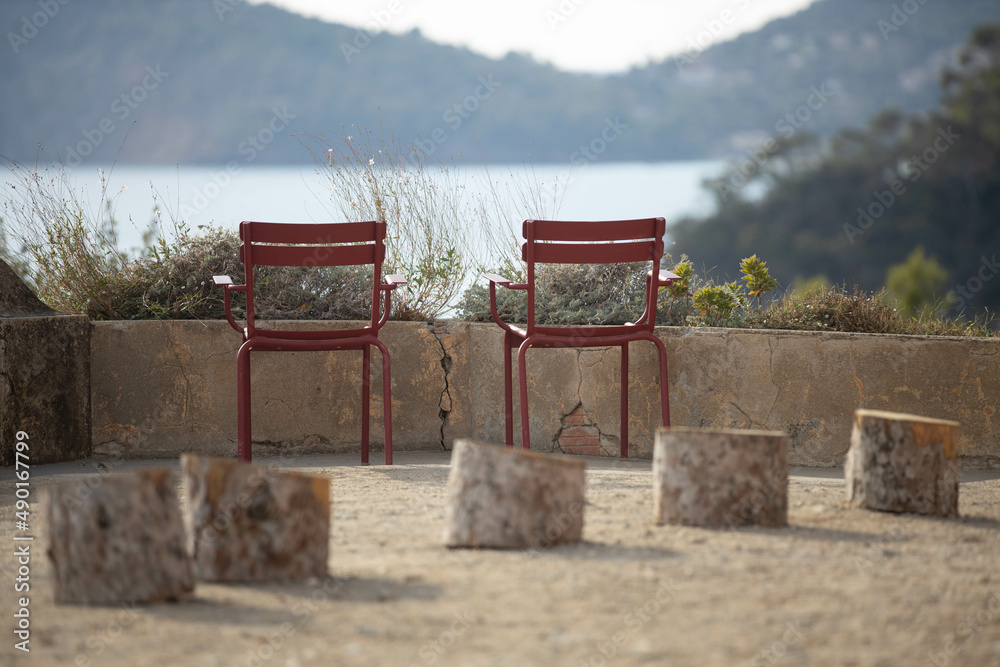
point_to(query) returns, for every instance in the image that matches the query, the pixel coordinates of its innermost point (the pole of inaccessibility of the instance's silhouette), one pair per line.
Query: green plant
(717, 302)
(374, 176)
(834, 309)
(64, 248)
(917, 284)
(817, 283)
(759, 282)
(681, 288)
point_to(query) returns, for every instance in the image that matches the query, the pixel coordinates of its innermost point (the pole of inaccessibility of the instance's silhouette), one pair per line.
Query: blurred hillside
(194, 81)
(852, 206)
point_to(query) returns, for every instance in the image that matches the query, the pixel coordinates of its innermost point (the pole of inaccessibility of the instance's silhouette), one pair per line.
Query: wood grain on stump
(720, 479)
(903, 463)
(508, 498)
(252, 523)
(118, 538)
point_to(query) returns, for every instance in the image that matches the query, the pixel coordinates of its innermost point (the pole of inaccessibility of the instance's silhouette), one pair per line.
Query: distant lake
(208, 195)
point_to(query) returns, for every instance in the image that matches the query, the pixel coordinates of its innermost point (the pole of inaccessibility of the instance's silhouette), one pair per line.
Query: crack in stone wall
(440, 330)
(578, 431)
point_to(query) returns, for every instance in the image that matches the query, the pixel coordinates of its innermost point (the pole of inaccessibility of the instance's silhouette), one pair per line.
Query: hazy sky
(582, 35)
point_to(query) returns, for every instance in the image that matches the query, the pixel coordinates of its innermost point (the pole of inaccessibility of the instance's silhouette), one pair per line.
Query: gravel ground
(838, 587)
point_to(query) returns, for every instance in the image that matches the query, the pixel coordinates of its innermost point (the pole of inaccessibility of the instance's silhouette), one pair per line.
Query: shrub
(69, 255)
(372, 176)
(603, 294)
(65, 251)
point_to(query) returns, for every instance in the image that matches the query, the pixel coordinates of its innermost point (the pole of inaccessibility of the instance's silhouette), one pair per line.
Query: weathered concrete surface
(809, 384)
(253, 523)
(720, 479)
(44, 376)
(563, 383)
(903, 463)
(506, 498)
(162, 388)
(119, 541)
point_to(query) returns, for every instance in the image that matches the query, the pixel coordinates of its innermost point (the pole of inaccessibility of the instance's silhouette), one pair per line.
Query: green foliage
(69, 255)
(834, 309)
(840, 207)
(817, 283)
(716, 303)
(917, 284)
(681, 287)
(972, 88)
(609, 295)
(839, 309)
(755, 273)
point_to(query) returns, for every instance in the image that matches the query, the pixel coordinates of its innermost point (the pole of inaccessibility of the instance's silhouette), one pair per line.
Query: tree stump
(252, 523)
(903, 463)
(507, 498)
(118, 540)
(720, 479)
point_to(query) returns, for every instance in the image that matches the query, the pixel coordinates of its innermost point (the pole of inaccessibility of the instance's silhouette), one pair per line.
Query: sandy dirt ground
(838, 587)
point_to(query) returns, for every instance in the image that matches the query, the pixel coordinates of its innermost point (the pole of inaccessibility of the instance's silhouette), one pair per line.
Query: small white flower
(329, 150)
(371, 161)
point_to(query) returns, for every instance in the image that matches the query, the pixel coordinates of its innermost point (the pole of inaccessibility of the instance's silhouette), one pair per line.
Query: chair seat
(595, 336)
(318, 335)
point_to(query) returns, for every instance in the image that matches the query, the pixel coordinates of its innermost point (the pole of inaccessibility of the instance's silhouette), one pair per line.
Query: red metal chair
(604, 242)
(312, 244)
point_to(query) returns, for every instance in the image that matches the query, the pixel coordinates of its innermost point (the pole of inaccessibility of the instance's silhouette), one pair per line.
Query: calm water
(210, 195)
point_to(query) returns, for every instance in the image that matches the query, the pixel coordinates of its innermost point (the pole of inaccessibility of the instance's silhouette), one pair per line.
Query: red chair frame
(568, 242)
(312, 244)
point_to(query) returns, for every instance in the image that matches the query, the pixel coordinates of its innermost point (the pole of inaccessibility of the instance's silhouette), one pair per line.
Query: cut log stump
(252, 523)
(720, 479)
(118, 539)
(903, 463)
(506, 498)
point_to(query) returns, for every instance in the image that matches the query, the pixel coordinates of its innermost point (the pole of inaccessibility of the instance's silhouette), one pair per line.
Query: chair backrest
(593, 242)
(312, 244)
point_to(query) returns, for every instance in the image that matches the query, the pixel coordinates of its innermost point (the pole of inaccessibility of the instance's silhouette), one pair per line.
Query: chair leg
(664, 389)
(243, 431)
(522, 381)
(624, 399)
(366, 358)
(387, 400)
(508, 390)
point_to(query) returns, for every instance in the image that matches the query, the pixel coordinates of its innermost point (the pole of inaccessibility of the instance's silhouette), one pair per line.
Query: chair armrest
(666, 277)
(494, 278)
(392, 281)
(227, 287)
(504, 282)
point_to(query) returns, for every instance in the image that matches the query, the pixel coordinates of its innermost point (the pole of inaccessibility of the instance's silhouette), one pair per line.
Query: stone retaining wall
(162, 388)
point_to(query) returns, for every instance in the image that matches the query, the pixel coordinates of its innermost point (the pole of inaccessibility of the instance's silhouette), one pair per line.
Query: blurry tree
(851, 206)
(917, 284)
(972, 89)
